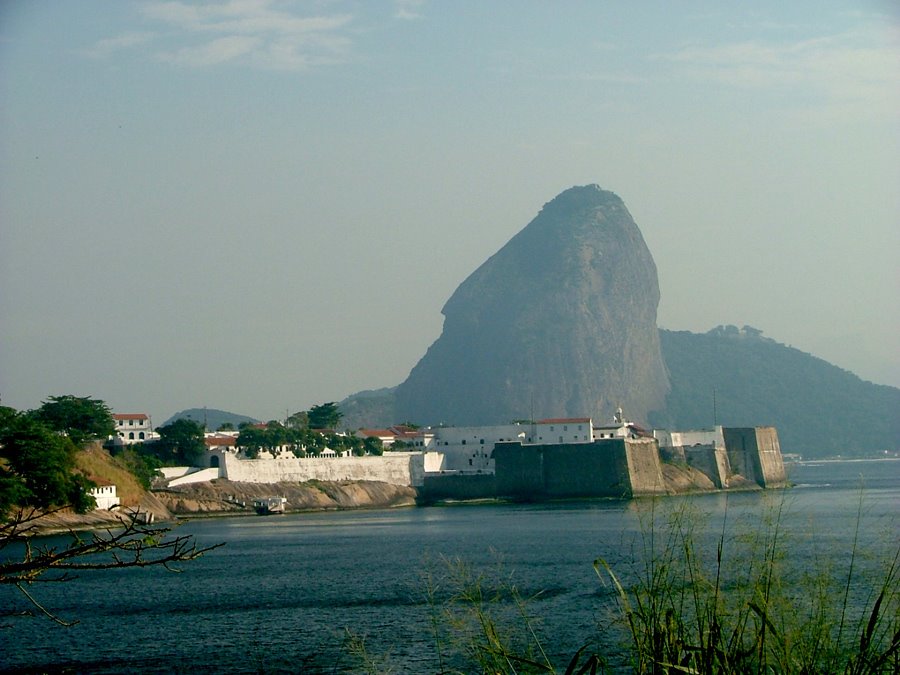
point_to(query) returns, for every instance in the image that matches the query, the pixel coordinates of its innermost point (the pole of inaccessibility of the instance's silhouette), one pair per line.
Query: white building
(133, 428)
(468, 449)
(411, 439)
(620, 428)
(105, 496)
(713, 438)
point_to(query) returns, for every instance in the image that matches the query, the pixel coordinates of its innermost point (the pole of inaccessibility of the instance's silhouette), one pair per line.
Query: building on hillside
(408, 437)
(105, 496)
(133, 428)
(220, 441)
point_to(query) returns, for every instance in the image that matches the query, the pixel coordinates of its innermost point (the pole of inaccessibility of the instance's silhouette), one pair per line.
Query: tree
(181, 442)
(299, 420)
(134, 545)
(373, 445)
(325, 416)
(38, 478)
(81, 418)
(253, 439)
(39, 468)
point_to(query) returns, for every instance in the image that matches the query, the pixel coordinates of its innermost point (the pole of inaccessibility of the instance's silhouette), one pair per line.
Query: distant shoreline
(834, 460)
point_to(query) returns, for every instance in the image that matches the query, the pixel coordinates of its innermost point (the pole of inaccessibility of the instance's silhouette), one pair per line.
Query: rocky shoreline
(226, 498)
(222, 497)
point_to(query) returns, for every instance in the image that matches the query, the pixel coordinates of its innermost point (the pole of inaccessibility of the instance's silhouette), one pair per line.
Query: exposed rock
(67, 520)
(682, 479)
(560, 322)
(222, 496)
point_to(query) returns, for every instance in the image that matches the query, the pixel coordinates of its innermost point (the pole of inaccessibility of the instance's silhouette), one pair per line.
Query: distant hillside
(212, 418)
(372, 408)
(819, 409)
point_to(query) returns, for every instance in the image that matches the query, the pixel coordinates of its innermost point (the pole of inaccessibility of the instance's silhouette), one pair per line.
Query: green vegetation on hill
(211, 418)
(38, 449)
(819, 409)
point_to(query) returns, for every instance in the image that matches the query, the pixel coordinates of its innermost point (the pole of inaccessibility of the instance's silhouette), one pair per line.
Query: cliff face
(560, 322)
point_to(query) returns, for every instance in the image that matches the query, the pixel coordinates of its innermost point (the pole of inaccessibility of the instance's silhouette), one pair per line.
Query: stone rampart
(644, 471)
(712, 461)
(395, 468)
(770, 460)
(755, 454)
(604, 468)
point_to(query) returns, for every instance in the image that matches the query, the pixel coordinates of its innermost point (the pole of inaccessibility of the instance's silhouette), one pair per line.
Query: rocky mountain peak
(561, 321)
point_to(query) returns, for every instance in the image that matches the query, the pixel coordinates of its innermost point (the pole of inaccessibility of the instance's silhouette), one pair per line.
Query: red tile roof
(213, 441)
(130, 416)
(379, 433)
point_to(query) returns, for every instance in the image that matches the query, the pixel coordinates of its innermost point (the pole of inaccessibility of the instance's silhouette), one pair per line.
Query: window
(130, 435)
(141, 435)
(464, 441)
(566, 427)
(482, 441)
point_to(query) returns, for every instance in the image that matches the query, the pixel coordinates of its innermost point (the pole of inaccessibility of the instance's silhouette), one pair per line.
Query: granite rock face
(561, 322)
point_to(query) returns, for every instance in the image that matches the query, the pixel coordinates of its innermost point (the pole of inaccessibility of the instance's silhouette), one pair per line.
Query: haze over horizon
(261, 205)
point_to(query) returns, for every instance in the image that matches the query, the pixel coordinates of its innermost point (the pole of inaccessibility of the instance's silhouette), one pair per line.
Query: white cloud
(104, 48)
(855, 67)
(261, 33)
(220, 50)
(408, 9)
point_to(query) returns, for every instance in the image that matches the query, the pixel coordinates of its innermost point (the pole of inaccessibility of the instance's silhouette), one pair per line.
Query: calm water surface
(282, 592)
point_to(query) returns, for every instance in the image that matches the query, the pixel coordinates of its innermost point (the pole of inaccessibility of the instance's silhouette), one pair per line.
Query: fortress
(548, 459)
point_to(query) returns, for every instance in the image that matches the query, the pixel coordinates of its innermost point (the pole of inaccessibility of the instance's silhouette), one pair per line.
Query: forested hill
(211, 418)
(819, 409)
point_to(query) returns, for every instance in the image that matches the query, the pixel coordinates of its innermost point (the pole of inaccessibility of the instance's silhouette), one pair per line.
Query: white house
(105, 496)
(133, 428)
(414, 439)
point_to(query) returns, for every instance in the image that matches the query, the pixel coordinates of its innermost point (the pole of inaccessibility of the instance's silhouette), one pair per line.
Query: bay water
(294, 593)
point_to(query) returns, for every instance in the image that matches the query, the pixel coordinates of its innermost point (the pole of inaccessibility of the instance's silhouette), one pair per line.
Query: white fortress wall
(195, 476)
(401, 468)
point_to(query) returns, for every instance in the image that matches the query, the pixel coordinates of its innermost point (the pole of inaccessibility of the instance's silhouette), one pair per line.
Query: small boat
(269, 505)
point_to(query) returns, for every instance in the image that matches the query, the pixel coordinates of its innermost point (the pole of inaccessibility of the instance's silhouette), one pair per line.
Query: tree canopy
(324, 416)
(38, 471)
(180, 442)
(81, 418)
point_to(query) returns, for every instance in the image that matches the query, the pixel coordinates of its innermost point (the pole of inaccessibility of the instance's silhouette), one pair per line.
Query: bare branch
(134, 545)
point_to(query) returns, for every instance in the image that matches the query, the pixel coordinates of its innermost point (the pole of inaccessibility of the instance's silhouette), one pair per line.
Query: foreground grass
(687, 604)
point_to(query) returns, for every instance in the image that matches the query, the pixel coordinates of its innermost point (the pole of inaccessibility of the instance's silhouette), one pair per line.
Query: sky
(262, 205)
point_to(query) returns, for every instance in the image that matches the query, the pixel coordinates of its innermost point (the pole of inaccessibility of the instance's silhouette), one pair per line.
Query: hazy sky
(263, 205)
